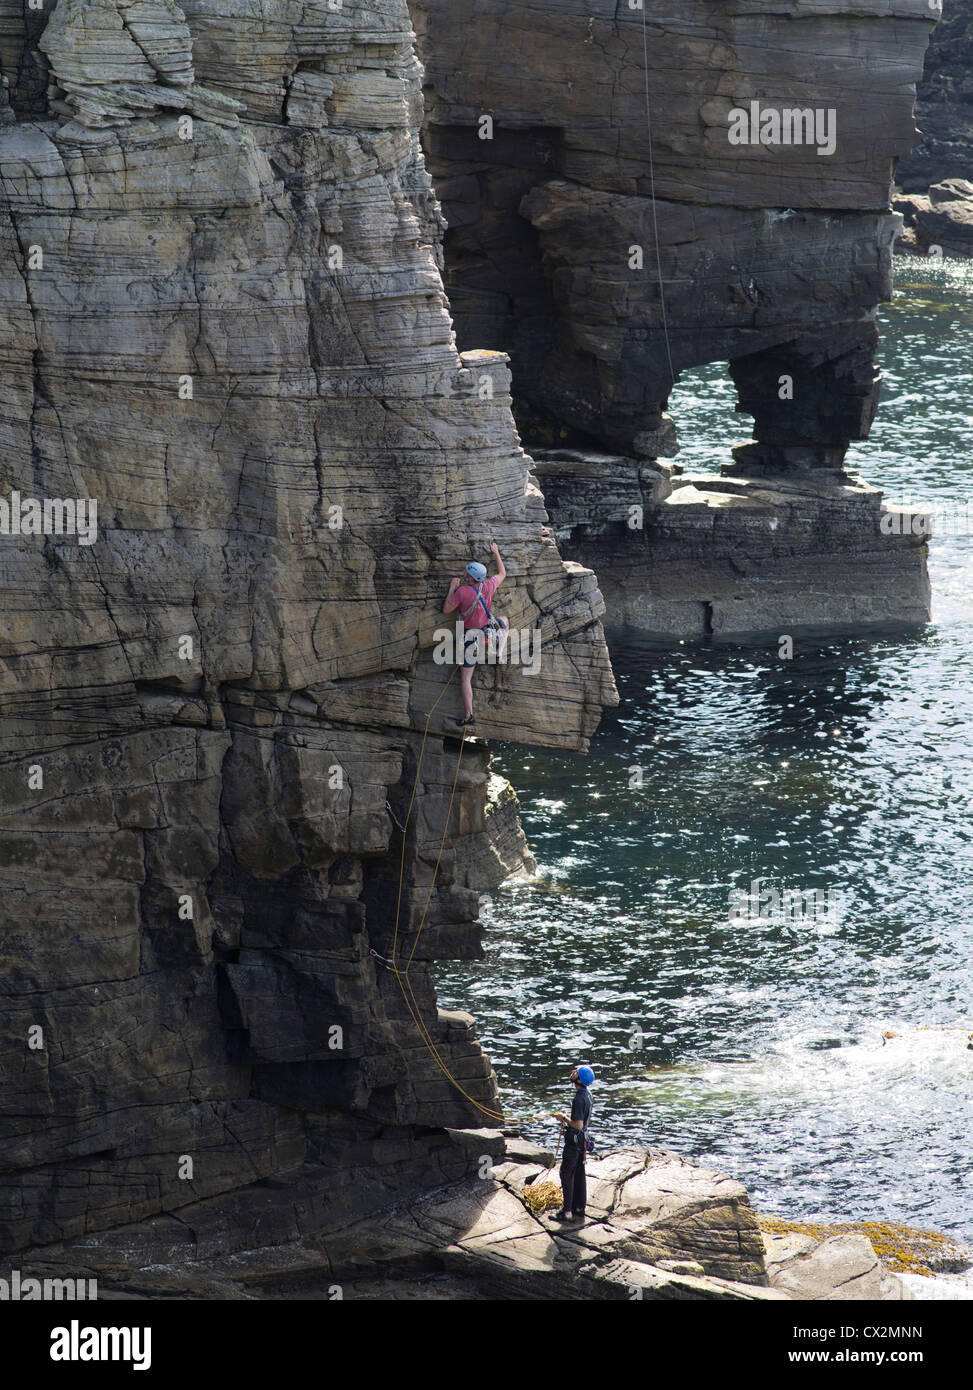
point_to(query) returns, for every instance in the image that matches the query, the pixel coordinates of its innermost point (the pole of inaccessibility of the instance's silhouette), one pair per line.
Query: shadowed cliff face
(773, 255)
(937, 177)
(226, 326)
(944, 109)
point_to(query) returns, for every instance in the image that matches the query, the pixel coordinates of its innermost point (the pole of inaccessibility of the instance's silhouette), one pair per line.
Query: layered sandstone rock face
(226, 325)
(719, 555)
(937, 196)
(549, 128)
(944, 108)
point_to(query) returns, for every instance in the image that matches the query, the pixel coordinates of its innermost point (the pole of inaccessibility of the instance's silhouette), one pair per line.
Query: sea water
(753, 1041)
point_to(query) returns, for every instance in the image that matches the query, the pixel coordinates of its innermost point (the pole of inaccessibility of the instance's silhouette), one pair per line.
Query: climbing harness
(471, 638)
(491, 622)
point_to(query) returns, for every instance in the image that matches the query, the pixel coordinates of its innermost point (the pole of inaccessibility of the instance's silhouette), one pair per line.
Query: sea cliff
(234, 810)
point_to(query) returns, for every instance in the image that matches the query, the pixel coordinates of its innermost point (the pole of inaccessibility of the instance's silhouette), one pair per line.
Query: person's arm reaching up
(451, 603)
(501, 571)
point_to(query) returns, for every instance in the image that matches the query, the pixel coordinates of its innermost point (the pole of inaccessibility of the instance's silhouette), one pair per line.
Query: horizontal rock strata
(605, 229)
(658, 1228)
(694, 555)
(944, 109)
(230, 797)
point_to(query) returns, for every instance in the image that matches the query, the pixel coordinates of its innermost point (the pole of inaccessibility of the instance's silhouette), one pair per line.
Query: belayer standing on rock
(473, 601)
(573, 1184)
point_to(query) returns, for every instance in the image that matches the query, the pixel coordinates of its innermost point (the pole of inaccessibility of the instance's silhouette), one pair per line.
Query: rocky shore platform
(682, 554)
(658, 1227)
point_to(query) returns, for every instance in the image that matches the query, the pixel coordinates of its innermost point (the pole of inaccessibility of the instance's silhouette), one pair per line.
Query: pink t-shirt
(465, 595)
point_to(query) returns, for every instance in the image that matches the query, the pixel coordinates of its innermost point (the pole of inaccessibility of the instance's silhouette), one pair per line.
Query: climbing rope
(543, 1194)
(392, 962)
(655, 215)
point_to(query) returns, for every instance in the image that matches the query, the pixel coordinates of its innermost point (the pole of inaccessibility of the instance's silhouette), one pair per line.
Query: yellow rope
(538, 1195)
(402, 977)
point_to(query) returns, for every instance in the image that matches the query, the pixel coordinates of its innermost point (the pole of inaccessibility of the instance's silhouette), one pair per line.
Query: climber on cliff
(473, 601)
(574, 1187)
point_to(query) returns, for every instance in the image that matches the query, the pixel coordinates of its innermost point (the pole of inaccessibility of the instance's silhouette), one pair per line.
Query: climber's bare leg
(466, 689)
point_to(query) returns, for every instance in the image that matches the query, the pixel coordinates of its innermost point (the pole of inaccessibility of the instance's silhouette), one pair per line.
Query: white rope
(655, 218)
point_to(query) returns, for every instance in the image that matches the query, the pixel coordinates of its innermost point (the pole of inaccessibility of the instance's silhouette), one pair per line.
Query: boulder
(832, 1270)
(941, 222)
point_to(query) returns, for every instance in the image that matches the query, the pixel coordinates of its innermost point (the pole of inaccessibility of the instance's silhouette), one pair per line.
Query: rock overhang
(234, 336)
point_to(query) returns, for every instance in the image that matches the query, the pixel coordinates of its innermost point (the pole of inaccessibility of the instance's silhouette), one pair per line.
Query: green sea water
(755, 1044)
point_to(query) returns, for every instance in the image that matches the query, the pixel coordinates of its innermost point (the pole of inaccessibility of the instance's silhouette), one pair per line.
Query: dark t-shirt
(580, 1110)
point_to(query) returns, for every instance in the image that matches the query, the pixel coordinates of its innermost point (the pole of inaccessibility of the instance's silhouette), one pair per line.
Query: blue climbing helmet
(476, 571)
(585, 1076)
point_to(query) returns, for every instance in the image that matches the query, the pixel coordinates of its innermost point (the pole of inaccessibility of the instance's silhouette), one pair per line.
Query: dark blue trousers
(573, 1184)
